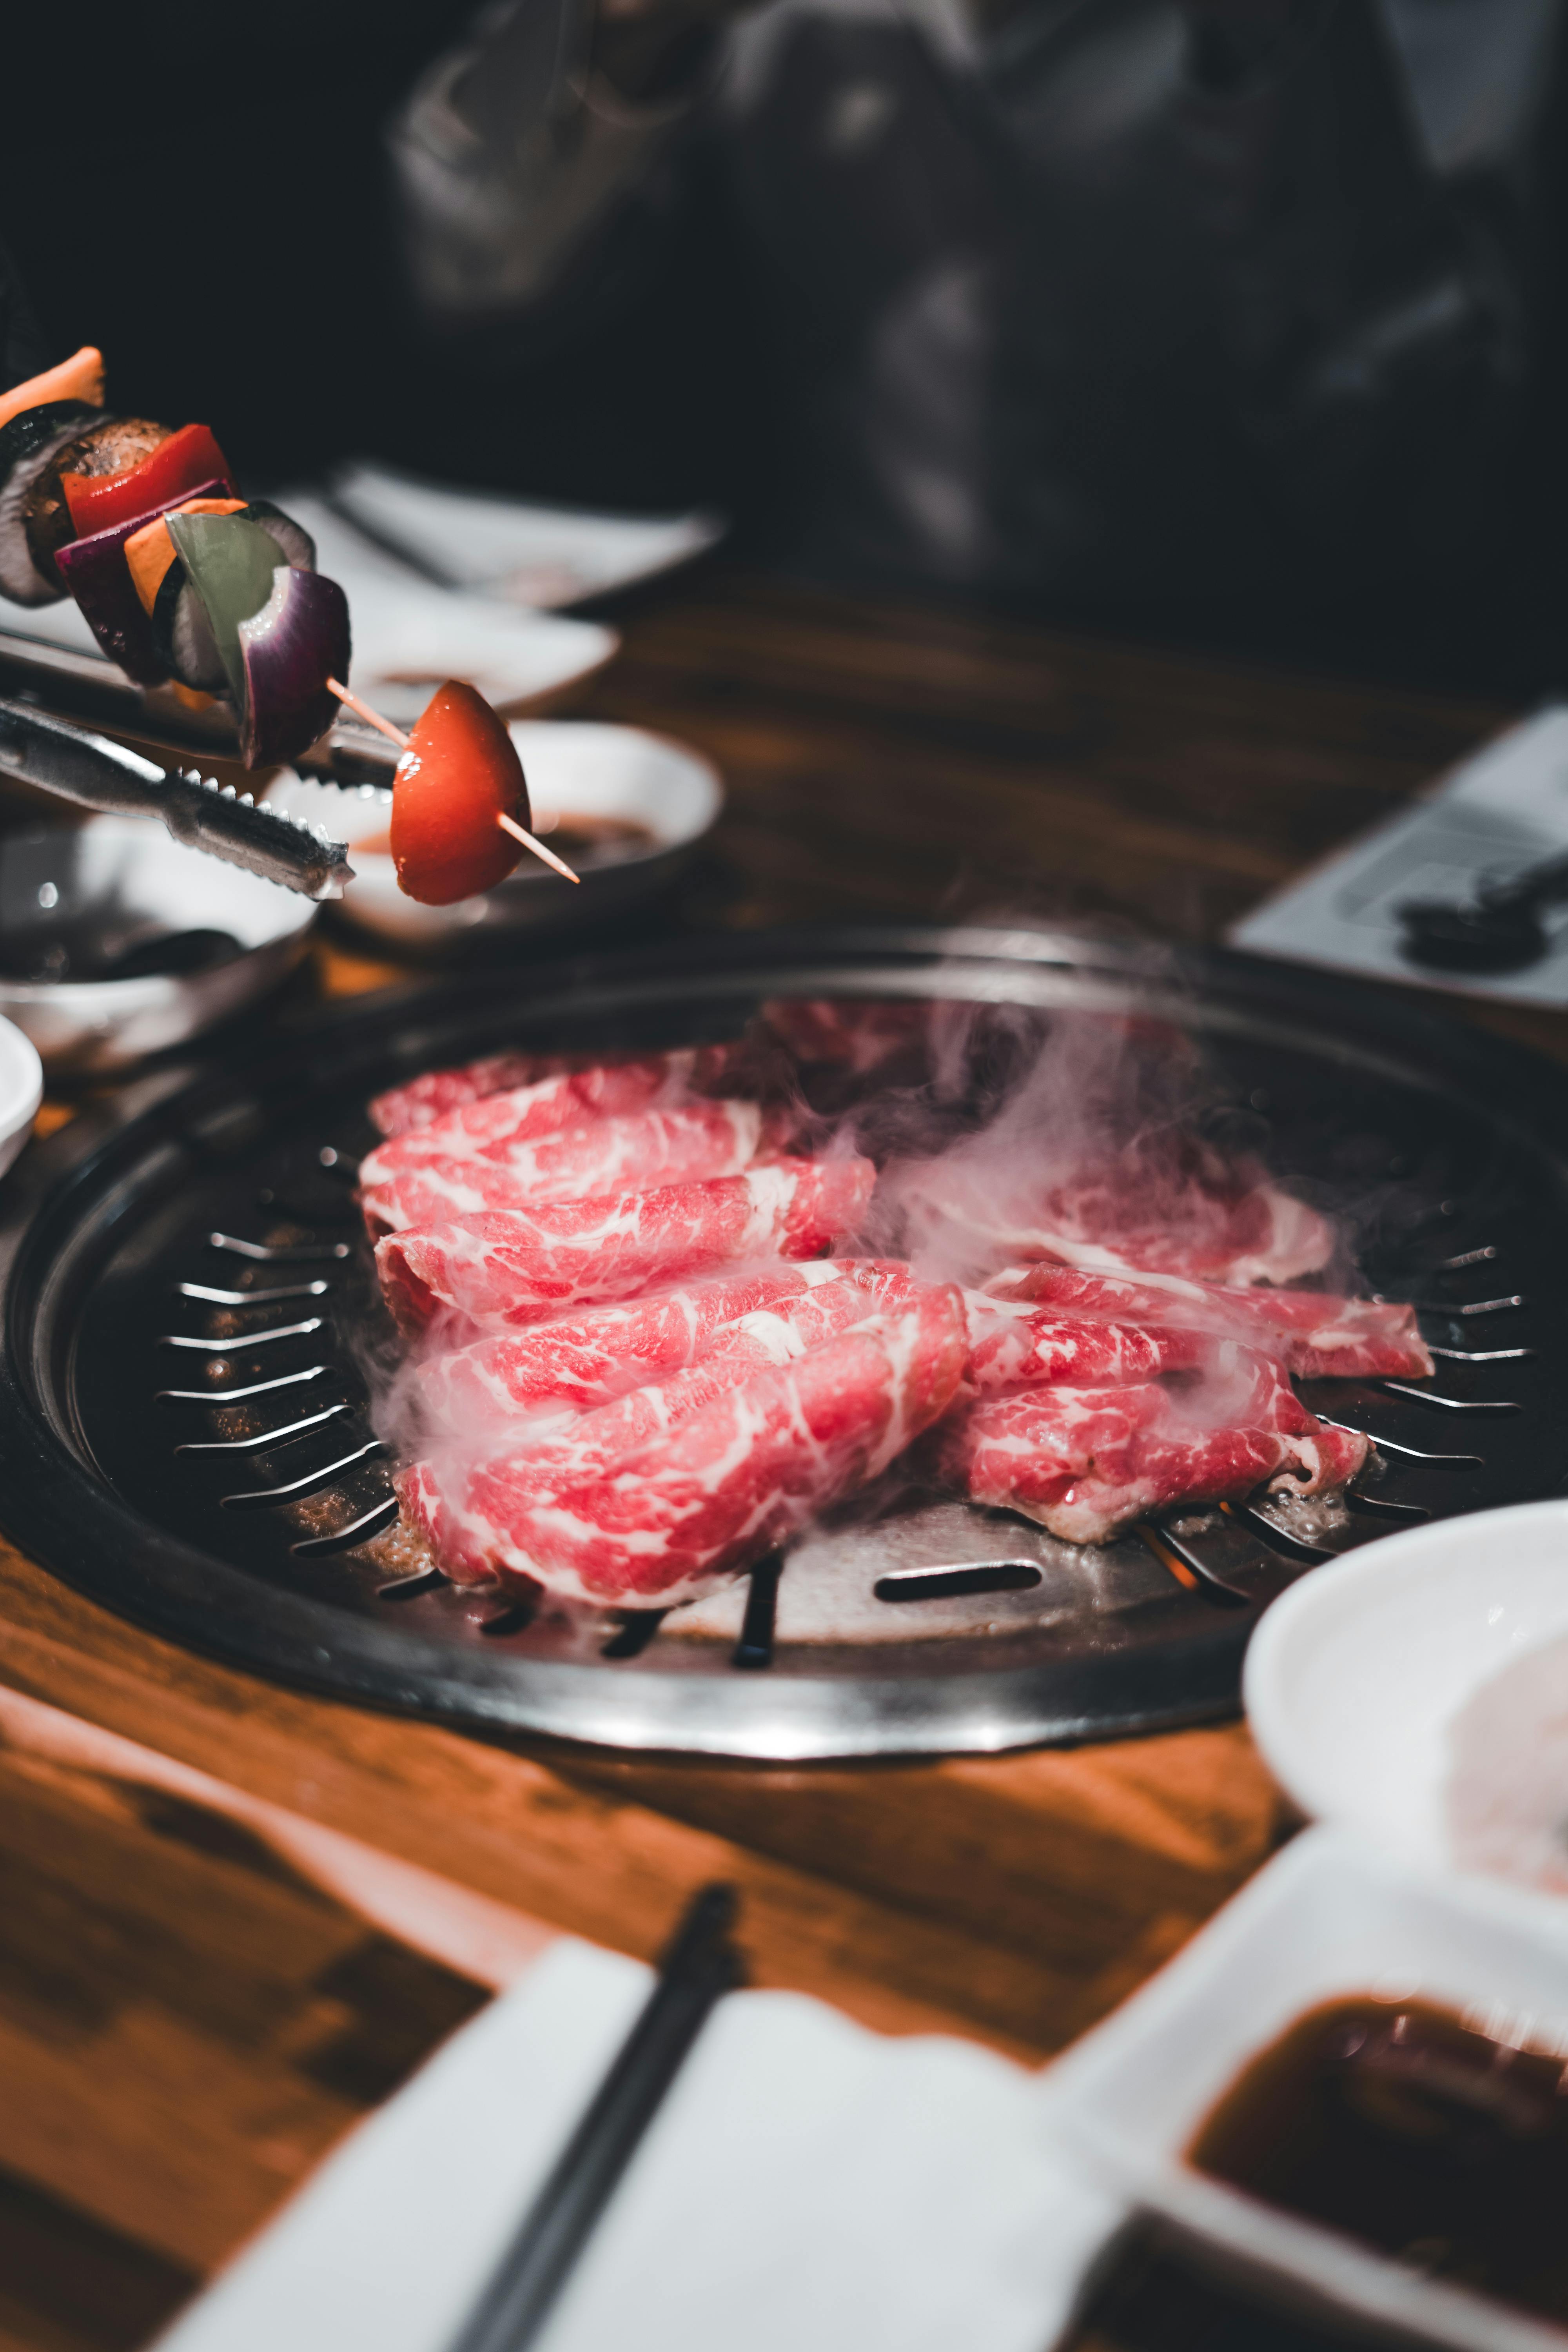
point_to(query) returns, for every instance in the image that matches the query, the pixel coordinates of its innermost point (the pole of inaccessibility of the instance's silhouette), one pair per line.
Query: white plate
(1354, 1675)
(21, 1090)
(407, 635)
(1331, 1916)
(54, 625)
(516, 549)
(575, 766)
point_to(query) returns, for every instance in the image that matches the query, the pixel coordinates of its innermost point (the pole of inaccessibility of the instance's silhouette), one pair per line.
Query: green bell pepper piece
(229, 562)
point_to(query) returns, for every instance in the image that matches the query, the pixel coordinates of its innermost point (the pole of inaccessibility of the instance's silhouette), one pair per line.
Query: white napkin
(1496, 814)
(515, 548)
(808, 2184)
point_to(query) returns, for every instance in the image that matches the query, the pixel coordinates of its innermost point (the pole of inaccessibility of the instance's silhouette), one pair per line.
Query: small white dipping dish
(575, 767)
(21, 1090)
(122, 878)
(1330, 1917)
(1354, 1675)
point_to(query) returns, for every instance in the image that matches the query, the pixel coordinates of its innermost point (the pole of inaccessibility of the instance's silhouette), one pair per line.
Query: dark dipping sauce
(1397, 2124)
(580, 840)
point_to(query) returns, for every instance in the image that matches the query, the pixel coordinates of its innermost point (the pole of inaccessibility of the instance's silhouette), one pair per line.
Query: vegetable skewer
(186, 584)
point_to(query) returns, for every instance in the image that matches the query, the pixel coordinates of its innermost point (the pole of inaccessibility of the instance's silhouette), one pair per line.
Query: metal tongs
(90, 769)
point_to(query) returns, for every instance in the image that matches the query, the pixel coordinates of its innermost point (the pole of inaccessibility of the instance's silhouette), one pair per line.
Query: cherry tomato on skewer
(459, 773)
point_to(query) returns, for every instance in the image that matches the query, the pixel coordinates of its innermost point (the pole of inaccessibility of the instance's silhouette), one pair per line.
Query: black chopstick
(700, 1966)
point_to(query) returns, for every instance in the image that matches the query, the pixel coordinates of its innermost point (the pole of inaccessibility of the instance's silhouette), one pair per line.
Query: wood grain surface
(188, 2017)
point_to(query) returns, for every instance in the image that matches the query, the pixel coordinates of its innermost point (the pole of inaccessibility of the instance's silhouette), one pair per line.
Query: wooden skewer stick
(508, 824)
(363, 711)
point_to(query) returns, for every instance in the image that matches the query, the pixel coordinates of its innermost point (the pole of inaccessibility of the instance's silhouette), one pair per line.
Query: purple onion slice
(295, 541)
(290, 648)
(95, 571)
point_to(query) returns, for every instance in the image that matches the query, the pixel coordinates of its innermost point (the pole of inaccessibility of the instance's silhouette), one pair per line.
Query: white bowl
(21, 1090)
(122, 875)
(1330, 1916)
(1355, 1674)
(575, 766)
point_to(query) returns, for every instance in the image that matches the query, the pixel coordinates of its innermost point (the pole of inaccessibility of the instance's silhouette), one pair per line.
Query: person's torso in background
(944, 313)
(980, 274)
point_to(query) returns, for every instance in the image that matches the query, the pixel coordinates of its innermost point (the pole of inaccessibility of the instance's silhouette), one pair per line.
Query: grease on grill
(1397, 2123)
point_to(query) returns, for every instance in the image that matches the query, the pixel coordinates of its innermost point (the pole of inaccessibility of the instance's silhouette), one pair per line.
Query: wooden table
(232, 1917)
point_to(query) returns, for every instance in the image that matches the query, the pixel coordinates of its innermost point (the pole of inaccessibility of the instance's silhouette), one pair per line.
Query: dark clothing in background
(1055, 314)
(23, 347)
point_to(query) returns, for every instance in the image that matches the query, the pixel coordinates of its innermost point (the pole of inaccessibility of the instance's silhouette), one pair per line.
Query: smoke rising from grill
(1101, 1139)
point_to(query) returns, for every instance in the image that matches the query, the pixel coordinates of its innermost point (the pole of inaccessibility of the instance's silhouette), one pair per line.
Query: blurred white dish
(21, 1090)
(1330, 1916)
(1353, 1676)
(54, 625)
(122, 880)
(575, 767)
(407, 635)
(514, 548)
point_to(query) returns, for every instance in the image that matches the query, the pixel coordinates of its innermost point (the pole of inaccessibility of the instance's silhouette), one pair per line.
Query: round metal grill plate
(1443, 1142)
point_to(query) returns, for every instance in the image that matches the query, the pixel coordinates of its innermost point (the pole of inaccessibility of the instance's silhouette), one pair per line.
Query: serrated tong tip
(94, 772)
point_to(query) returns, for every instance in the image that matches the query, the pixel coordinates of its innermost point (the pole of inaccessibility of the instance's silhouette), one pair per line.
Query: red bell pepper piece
(173, 470)
(96, 572)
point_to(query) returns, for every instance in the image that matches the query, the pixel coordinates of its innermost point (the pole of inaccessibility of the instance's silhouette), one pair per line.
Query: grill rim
(65, 1515)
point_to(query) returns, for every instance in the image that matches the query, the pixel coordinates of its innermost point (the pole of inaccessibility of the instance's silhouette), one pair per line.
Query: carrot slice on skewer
(78, 378)
(149, 552)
